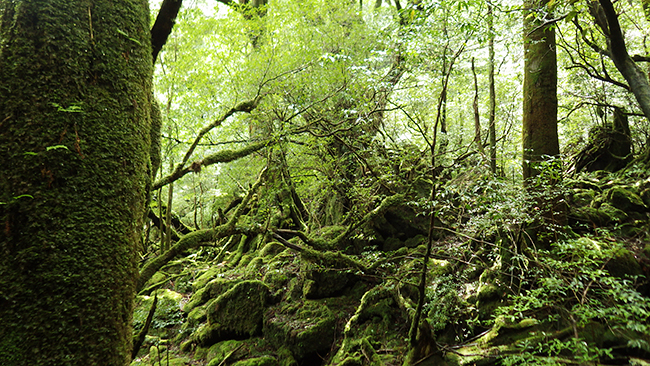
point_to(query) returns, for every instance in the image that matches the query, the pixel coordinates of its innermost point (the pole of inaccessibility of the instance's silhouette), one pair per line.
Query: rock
(583, 197)
(236, 314)
(258, 361)
(211, 290)
(219, 351)
(623, 198)
(624, 265)
(378, 323)
(326, 283)
(304, 328)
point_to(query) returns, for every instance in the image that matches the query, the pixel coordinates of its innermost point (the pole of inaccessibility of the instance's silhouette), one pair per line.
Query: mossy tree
(75, 138)
(539, 126)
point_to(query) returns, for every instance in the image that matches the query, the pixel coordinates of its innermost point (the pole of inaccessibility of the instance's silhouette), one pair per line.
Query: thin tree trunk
(492, 104)
(477, 117)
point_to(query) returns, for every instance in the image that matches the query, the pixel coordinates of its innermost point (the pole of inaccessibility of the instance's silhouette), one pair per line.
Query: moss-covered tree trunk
(75, 87)
(540, 138)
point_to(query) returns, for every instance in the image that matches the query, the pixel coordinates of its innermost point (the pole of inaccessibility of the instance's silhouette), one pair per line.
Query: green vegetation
(325, 183)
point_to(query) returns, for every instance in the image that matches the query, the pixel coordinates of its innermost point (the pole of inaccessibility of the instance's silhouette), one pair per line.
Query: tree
(75, 122)
(492, 134)
(539, 127)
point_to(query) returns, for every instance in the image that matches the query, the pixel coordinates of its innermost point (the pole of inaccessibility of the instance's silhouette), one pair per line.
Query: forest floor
(502, 287)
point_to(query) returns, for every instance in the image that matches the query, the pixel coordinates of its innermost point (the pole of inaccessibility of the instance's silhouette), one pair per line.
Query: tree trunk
(635, 77)
(492, 134)
(75, 104)
(540, 138)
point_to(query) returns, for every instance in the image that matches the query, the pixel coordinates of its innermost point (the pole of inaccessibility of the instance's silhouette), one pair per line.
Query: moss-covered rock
(304, 328)
(206, 277)
(323, 283)
(219, 351)
(211, 290)
(623, 265)
(625, 199)
(582, 197)
(378, 323)
(236, 314)
(258, 361)
(603, 215)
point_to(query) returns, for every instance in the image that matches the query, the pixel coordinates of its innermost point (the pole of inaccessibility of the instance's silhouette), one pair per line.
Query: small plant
(570, 289)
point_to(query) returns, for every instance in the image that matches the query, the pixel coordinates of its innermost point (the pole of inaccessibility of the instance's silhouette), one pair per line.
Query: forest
(340, 183)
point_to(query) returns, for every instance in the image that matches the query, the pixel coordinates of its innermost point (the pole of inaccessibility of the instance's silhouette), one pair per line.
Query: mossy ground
(279, 306)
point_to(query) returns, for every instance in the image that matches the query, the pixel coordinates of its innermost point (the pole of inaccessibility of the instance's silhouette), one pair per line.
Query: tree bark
(540, 137)
(492, 134)
(75, 105)
(636, 78)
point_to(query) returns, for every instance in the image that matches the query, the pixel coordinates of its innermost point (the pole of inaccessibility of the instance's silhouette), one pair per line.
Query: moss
(392, 244)
(168, 312)
(255, 265)
(604, 215)
(625, 199)
(357, 351)
(272, 249)
(304, 328)
(237, 313)
(285, 357)
(211, 290)
(379, 321)
(197, 316)
(276, 279)
(326, 283)
(258, 361)
(218, 351)
(623, 265)
(206, 277)
(583, 197)
(69, 284)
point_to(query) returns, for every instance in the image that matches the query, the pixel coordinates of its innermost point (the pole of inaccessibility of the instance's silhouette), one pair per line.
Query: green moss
(258, 361)
(218, 351)
(304, 328)
(323, 283)
(211, 290)
(583, 197)
(73, 305)
(625, 199)
(285, 357)
(237, 313)
(623, 264)
(603, 215)
(272, 249)
(254, 265)
(168, 312)
(206, 277)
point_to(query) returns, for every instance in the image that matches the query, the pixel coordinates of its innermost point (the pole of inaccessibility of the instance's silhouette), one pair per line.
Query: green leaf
(55, 147)
(127, 36)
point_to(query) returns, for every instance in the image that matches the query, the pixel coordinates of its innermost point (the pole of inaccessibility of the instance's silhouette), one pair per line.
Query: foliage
(570, 286)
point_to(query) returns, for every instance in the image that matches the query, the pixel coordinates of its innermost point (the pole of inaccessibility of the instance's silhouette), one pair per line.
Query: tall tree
(492, 134)
(540, 137)
(75, 107)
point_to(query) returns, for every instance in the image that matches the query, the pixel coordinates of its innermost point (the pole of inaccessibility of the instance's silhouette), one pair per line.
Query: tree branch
(163, 25)
(196, 238)
(626, 66)
(224, 156)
